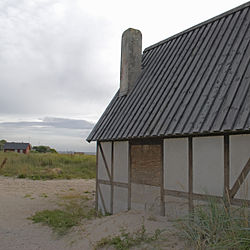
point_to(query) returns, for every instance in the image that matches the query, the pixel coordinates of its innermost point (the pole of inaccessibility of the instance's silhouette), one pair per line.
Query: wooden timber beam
(240, 179)
(115, 183)
(129, 176)
(162, 182)
(226, 169)
(204, 197)
(112, 179)
(190, 174)
(96, 181)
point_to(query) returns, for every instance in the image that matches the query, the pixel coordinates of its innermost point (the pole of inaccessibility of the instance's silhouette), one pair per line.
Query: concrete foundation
(106, 194)
(120, 199)
(145, 197)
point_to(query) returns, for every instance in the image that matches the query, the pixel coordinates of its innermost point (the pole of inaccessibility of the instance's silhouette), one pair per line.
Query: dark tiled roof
(15, 145)
(196, 82)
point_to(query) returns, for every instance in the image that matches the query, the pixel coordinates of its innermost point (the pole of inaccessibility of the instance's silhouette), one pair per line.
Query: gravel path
(21, 198)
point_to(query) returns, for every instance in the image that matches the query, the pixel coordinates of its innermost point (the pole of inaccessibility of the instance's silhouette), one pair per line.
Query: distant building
(18, 147)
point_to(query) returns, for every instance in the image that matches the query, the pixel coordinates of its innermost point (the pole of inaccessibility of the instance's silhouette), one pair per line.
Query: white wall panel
(176, 164)
(121, 161)
(208, 165)
(239, 155)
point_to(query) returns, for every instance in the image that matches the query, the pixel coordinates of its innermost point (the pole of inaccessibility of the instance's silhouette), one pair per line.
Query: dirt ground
(21, 198)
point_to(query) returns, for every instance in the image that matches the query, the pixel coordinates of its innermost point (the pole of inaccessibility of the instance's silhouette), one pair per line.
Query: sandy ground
(21, 198)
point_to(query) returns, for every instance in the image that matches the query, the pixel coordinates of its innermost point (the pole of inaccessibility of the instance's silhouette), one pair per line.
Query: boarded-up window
(146, 163)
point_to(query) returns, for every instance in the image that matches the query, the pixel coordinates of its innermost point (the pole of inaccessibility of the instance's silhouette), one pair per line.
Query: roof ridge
(227, 13)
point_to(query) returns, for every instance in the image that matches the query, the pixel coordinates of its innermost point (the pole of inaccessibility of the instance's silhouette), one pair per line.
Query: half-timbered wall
(112, 176)
(166, 176)
(104, 161)
(198, 168)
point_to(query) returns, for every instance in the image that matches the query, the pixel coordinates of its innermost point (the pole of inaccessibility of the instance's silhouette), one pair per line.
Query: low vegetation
(44, 166)
(127, 240)
(214, 226)
(74, 209)
(60, 221)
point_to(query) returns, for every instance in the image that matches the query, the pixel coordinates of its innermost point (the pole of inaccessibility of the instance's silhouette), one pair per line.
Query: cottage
(18, 147)
(178, 129)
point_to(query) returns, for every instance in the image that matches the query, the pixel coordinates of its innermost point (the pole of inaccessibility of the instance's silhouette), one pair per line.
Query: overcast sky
(60, 60)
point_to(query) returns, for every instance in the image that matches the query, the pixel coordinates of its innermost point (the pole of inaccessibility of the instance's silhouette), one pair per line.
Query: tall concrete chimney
(131, 53)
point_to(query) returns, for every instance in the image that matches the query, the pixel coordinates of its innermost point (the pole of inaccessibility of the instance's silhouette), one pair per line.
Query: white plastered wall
(208, 165)
(176, 164)
(239, 155)
(121, 163)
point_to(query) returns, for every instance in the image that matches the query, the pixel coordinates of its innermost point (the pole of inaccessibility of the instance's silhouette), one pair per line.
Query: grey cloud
(52, 62)
(60, 133)
(59, 138)
(56, 60)
(51, 122)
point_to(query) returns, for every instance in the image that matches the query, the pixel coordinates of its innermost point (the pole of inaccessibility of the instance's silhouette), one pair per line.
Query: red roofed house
(18, 147)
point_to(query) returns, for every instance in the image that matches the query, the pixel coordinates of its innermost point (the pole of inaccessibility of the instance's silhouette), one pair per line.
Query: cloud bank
(61, 133)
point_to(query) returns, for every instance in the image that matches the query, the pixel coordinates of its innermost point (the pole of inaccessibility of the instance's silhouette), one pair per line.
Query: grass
(74, 209)
(127, 240)
(214, 226)
(40, 166)
(60, 221)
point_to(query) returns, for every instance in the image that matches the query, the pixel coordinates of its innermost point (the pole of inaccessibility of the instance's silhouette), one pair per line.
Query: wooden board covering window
(146, 164)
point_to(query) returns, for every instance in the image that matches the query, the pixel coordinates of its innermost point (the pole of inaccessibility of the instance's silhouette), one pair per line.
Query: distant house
(18, 147)
(178, 129)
